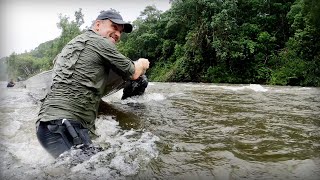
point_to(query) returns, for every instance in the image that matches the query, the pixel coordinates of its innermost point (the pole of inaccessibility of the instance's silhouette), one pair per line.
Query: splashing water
(176, 131)
(116, 153)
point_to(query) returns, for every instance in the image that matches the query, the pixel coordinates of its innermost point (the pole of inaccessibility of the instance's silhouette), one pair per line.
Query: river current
(176, 131)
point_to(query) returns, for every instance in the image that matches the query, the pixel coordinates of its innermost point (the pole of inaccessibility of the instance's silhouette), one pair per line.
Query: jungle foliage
(40, 59)
(232, 41)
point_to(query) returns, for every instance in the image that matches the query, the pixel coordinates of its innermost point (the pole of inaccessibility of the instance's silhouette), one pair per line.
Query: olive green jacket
(88, 68)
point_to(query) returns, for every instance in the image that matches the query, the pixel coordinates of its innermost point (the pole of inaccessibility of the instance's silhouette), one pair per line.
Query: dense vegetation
(231, 41)
(40, 59)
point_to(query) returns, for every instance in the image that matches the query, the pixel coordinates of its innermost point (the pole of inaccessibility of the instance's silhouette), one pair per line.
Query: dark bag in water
(135, 87)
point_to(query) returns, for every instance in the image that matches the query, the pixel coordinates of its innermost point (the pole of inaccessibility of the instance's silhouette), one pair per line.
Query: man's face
(108, 29)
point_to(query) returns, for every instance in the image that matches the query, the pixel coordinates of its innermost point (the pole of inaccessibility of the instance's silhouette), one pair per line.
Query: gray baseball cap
(116, 18)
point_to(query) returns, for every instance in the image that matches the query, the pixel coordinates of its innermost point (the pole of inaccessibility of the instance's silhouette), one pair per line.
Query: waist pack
(71, 131)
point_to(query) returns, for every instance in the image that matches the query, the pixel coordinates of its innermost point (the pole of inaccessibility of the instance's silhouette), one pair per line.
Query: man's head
(110, 24)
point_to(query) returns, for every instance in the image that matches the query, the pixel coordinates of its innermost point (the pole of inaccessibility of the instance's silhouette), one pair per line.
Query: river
(176, 131)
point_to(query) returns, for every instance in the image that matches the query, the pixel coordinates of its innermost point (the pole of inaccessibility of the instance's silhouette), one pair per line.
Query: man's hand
(140, 67)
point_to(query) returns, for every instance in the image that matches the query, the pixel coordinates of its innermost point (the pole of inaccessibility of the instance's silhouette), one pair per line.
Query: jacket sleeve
(114, 59)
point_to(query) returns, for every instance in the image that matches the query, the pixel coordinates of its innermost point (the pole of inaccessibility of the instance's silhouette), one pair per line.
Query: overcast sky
(27, 23)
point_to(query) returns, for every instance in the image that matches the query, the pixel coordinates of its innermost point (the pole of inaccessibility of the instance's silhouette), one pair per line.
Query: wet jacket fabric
(88, 68)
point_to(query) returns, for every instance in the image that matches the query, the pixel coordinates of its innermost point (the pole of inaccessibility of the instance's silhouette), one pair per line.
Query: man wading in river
(88, 68)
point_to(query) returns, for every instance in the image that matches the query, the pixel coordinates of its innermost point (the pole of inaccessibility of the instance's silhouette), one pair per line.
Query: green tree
(3, 69)
(27, 64)
(70, 29)
(231, 41)
(300, 59)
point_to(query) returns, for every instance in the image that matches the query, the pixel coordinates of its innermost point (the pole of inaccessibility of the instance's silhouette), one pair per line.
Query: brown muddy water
(177, 131)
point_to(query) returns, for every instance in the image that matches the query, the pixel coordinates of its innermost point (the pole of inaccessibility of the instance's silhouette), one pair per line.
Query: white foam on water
(18, 113)
(151, 84)
(254, 87)
(127, 152)
(111, 133)
(130, 148)
(305, 88)
(124, 153)
(257, 88)
(30, 153)
(9, 98)
(294, 89)
(144, 98)
(9, 129)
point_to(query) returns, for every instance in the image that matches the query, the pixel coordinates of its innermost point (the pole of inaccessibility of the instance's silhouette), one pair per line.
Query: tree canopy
(231, 41)
(40, 59)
